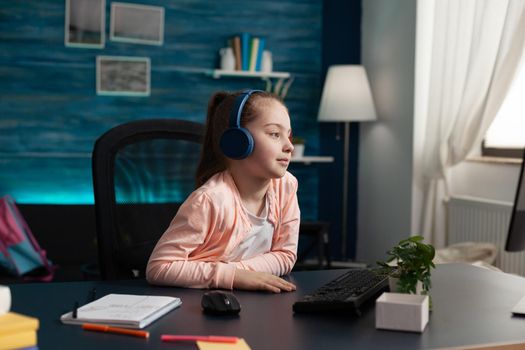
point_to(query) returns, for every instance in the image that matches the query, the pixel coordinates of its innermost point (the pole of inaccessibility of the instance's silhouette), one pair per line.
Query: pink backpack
(19, 250)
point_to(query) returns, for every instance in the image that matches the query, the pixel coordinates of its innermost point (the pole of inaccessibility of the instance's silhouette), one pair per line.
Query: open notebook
(123, 310)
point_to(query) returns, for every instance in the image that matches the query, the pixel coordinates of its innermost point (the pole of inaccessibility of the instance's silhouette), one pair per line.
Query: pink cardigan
(210, 223)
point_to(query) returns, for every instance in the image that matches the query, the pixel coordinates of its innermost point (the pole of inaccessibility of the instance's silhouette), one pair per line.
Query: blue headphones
(237, 142)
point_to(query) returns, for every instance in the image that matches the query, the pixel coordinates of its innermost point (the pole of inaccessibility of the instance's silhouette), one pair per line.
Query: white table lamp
(346, 98)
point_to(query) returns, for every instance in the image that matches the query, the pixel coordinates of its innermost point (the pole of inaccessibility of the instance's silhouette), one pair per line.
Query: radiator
(479, 220)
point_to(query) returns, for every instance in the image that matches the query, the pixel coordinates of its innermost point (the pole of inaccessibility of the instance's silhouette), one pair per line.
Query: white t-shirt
(259, 239)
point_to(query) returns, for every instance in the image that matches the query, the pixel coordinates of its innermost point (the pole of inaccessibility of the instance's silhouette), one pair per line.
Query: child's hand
(253, 280)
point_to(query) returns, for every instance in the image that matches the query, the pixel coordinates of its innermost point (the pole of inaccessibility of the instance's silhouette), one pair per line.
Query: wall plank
(50, 115)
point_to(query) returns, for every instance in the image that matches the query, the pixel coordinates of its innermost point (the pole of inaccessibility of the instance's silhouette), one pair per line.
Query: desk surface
(471, 306)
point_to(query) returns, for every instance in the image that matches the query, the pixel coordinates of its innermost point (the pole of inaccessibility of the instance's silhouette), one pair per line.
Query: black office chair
(313, 235)
(142, 172)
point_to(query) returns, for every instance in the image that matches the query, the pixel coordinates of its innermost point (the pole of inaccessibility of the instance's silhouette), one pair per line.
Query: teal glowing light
(86, 197)
(53, 197)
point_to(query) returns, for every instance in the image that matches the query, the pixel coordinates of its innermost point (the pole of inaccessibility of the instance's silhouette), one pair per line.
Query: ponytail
(212, 160)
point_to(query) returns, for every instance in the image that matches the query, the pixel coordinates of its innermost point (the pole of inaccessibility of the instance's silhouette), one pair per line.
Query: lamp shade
(346, 95)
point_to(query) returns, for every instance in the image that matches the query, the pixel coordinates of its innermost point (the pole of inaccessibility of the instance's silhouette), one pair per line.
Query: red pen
(209, 338)
(116, 330)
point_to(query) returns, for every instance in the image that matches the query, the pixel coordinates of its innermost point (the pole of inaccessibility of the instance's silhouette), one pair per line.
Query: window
(506, 135)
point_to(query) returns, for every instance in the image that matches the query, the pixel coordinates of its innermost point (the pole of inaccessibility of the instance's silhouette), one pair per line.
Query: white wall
(385, 147)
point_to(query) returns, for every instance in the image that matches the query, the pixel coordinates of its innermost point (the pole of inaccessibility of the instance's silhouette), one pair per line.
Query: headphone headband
(238, 106)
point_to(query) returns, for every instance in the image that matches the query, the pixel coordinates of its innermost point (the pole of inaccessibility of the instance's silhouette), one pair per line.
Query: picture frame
(85, 23)
(123, 76)
(135, 23)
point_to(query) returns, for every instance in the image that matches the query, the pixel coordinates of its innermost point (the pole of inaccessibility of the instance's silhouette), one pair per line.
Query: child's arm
(283, 255)
(170, 262)
(193, 274)
(254, 280)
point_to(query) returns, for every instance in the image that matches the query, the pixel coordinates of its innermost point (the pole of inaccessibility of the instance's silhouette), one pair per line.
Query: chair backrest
(142, 171)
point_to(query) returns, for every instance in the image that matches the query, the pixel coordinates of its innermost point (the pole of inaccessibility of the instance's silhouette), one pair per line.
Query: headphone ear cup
(236, 143)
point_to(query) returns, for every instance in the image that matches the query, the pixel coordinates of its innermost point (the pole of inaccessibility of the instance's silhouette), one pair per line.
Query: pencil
(116, 330)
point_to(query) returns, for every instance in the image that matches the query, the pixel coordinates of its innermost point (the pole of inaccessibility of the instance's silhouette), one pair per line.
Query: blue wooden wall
(50, 114)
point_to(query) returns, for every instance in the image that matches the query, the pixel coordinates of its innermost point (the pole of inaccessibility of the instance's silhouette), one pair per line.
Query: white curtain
(476, 49)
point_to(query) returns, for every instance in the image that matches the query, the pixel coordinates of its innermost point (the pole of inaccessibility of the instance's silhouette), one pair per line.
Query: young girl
(239, 228)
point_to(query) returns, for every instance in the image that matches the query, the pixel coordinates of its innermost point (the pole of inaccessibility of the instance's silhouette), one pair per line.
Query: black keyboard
(347, 292)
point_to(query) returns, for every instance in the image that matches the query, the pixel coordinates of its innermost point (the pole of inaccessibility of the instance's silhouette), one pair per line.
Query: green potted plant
(412, 263)
(298, 145)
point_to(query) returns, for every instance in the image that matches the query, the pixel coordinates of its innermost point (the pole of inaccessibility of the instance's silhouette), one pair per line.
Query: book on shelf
(123, 310)
(248, 51)
(17, 331)
(237, 52)
(245, 50)
(260, 49)
(254, 48)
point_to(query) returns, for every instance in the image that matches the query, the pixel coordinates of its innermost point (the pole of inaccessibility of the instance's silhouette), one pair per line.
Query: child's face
(271, 132)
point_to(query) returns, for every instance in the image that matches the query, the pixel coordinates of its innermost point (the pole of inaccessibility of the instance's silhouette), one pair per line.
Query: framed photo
(85, 23)
(135, 23)
(123, 76)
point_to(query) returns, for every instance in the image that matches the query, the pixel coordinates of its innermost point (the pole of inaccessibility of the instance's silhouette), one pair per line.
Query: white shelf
(312, 159)
(217, 73)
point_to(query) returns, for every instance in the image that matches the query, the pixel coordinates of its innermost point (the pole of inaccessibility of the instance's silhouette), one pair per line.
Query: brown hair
(212, 160)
